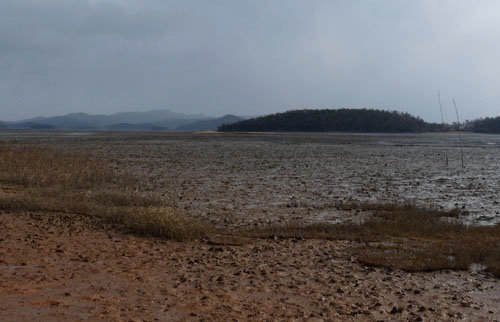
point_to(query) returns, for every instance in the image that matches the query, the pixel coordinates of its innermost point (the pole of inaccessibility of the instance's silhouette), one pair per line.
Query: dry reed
(407, 237)
(48, 180)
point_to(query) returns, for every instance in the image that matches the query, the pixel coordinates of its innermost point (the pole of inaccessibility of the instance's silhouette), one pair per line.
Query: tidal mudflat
(257, 179)
(63, 266)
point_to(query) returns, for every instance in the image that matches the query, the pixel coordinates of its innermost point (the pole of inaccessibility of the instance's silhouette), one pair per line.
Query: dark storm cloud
(247, 57)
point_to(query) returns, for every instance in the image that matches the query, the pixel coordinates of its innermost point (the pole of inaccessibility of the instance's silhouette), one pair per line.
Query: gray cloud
(251, 57)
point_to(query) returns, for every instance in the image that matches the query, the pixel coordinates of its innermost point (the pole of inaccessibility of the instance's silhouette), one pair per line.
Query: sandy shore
(56, 267)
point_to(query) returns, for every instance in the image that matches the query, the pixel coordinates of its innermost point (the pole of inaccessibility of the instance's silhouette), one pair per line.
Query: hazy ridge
(155, 120)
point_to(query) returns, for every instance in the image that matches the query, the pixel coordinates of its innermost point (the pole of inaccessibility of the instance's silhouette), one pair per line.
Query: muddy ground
(64, 267)
(255, 179)
(56, 267)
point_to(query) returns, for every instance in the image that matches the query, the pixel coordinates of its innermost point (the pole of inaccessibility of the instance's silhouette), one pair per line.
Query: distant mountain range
(156, 120)
(329, 120)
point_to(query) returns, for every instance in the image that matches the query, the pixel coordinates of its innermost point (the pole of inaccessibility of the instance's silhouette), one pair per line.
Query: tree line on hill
(484, 125)
(330, 120)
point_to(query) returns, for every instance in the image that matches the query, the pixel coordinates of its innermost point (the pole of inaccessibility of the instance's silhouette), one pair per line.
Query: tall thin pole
(459, 133)
(444, 129)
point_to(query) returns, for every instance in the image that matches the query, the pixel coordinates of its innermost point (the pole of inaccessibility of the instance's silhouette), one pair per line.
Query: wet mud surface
(257, 179)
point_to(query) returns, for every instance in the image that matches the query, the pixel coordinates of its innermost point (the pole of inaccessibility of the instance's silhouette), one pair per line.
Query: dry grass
(48, 180)
(33, 167)
(408, 237)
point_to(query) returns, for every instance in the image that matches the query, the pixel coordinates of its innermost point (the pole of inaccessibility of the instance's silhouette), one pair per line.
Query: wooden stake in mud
(444, 130)
(459, 134)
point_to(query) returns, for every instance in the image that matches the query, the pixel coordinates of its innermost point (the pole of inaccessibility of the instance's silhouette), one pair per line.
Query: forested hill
(326, 120)
(486, 125)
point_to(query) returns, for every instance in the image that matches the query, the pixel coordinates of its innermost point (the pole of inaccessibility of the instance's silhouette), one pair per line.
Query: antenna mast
(459, 134)
(444, 129)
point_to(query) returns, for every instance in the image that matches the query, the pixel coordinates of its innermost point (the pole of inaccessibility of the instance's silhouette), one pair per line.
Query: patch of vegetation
(407, 237)
(48, 180)
(329, 120)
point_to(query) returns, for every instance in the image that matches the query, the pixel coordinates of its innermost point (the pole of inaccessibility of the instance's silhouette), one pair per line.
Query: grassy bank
(48, 180)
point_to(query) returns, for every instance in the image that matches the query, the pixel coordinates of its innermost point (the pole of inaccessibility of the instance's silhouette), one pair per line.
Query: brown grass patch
(407, 237)
(48, 180)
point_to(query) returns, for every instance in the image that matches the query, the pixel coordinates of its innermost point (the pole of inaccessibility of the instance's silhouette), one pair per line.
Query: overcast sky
(248, 57)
